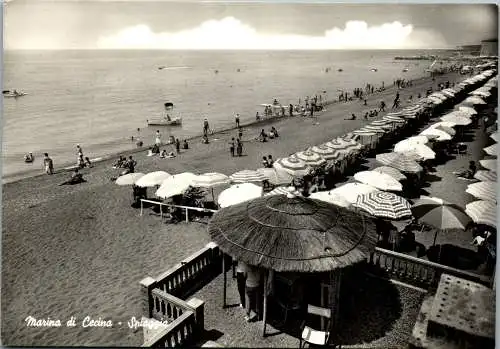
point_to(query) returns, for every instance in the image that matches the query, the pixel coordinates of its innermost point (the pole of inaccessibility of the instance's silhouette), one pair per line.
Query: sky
(140, 24)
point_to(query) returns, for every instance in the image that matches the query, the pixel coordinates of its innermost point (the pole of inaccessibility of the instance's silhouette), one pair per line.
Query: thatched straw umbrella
(293, 234)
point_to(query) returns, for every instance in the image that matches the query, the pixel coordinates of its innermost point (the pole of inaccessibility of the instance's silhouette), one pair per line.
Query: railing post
(142, 206)
(147, 285)
(161, 210)
(197, 306)
(187, 215)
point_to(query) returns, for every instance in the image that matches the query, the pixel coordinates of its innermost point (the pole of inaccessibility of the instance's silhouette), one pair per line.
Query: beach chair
(312, 336)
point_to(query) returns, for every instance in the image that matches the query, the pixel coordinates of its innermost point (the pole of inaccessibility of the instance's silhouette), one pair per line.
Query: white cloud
(231, 33)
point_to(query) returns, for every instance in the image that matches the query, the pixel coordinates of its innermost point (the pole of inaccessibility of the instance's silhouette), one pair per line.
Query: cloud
(231, 33)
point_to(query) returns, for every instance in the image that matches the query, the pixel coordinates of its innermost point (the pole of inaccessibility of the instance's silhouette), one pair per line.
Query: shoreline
(68, 167)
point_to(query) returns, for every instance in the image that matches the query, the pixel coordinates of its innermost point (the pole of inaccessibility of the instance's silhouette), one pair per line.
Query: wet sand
(81, 250)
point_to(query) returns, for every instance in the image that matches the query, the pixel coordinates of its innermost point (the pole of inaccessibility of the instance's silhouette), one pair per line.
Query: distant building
(470, 50)
(489, 47)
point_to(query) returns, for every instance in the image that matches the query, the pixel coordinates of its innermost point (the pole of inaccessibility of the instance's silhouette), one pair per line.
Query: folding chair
(312, 336)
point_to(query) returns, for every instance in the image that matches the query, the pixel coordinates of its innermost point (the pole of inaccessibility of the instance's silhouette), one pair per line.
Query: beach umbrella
(480, 94)
(355, 145)
(413, 141)
(439, 95)
(211, 180)
(239, 193)
(364, 132)
(440, 214)
(466, 109)
(341, 146)
(293, 166)
(400, 161)
(284, 191)
(384, 205)
(293, 234)
(276, 177)
(490, 164)
(495, 136)
(458, 120)
(377, 129)
(310, 158)
(482, 212)
(459, 113)
(486, 176)
(129, 179)
(483, 190)
(446, 129)
(473, 100)
(152, 179)
(326, 152)
(331, 198)
(175, 185)
(492, 149)
(443, 124)
(378, 180)
(448, 93)
(391, 171)
(382, 122)
(247, 176)
(394, 118)
(351, 191)
(422, 150)
(436, 134)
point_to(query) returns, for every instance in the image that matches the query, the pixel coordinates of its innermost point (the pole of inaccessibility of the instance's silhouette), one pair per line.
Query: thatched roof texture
(287, 233)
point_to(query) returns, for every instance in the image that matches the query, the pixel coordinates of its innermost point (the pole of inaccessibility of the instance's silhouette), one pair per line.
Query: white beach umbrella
(391, 171)
(490, 164)
(152, 179)
(404, 162)
(473, 100)
(448, 93)
(378, 129)
(332, 198)
(439, 95)
(484, 176)
(351, 191)
(482, 212)
(421, 149)
(129, 179)
(492, 149)
(175, 185)
(239, 193)
(310, 158)
(293, 166)
(275, 176)
(458, 120)
(211, 180)
(480, 94)
(495, 136)
(284, 191)
(437, 134)
(414, 140)
(466, 109)
(459, 113)
(378, 180)
(483, 190)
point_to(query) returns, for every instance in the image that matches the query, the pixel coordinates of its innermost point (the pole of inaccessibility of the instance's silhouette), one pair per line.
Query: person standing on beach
(79, 150)
(382, 106)
(48, 164)
(158, 138)
(206, 127)
(178, 146)
(131, 163)
(239, 147)
(231, 147)
(240, 133)
(237, 120)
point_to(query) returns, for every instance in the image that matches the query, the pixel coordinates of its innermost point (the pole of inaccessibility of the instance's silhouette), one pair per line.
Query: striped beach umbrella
(384, 205)
(391, 171)
(293, 166)
(328, 196)
(129, 179)
(486, 176)
(247, 176)
(458, 120)
(480, 94)
(436, 134)
(495, 136)
(490, 164)
(364, 132)
(239, 193)
(378, 180)
(152, 179)
(466, 109)
(351, 191)
(326, 152)
(211, 180)
(381, 122)
(310, 158)
(483, 190)
(400, 161)
(482, 212)
(448, 93)
(492, 149)
(343, 147)
(276, 177)
(354, 145)
(473, 100)
(284, 191)
(377, 129)
(394, 118)
(422, 150)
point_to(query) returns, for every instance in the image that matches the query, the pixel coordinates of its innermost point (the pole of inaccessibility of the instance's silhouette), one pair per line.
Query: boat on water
(13, 93)
(168, 119)
(374, 70)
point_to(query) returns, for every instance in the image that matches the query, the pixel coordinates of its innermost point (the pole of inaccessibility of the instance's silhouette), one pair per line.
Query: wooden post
(187, 215)
(264, 316)
(224, 276)
(142, 205)
(161, 210)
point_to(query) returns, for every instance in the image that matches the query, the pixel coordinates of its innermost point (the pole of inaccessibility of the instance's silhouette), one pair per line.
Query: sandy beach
(81, 250)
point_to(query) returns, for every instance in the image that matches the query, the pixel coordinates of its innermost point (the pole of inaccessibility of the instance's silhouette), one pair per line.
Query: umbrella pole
(225, 281)
(264, 316)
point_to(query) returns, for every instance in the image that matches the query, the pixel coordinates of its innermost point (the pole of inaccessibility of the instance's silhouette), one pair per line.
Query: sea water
(99, 99)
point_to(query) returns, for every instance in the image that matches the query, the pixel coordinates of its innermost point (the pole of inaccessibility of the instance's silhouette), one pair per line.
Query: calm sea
(99, 98)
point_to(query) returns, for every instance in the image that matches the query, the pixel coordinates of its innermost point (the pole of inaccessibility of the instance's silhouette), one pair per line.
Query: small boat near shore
(168, 118)
(13, 93)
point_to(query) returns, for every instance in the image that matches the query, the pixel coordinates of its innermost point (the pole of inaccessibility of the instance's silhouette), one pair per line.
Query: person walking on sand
(48, 164)
(237, 120)
(396, 101)
(231, 147)
(239, 147)
(206, 127)
(252, 287)
(158, 138)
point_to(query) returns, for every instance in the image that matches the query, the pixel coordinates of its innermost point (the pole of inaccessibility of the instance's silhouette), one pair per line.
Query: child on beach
(270, 161)
(205, 139)
(87, 162)
(265, 163)
(48, 164)
(158, 138)
(74, 179)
